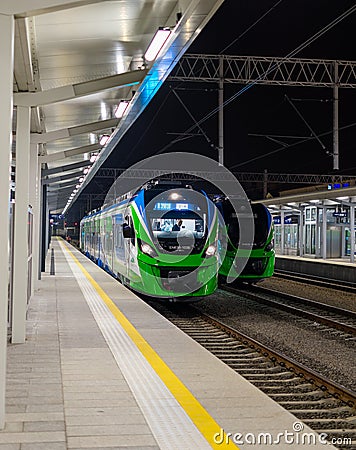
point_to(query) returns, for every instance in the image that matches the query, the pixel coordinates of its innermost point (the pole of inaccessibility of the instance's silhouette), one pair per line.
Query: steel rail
(346, 286)
(344, 327)
(328, 386)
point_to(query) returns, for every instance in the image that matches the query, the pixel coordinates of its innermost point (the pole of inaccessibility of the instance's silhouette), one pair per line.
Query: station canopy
(81, 67)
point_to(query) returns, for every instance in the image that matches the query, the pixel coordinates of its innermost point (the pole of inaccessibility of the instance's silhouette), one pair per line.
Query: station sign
(340, 214)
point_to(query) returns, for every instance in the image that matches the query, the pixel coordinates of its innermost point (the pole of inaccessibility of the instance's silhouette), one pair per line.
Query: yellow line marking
(197, 413)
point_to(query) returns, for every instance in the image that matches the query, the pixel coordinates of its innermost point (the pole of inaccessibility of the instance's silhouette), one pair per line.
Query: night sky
(261, 109)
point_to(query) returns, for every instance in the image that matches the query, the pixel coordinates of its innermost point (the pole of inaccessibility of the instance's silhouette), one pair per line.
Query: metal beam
(68, 153)
(73, 131)
(312, 195)
(68, 92)
(69, 185)
(59, 169)
(69, 176)
(23, 72)
(252, 177)
(266, 70)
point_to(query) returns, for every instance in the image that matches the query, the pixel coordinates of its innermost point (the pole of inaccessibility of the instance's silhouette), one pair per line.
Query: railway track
(320, 403)
(345, 286)
(329, 316)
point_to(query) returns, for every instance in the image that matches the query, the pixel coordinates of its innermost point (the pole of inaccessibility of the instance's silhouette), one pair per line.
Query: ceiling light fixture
(104, 139)
(157, 43)
(121, 108)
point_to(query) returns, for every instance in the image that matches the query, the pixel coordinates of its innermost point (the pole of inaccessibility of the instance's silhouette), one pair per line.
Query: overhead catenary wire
(291, 54)
(277, 150)
(306, 123)
(251, 26)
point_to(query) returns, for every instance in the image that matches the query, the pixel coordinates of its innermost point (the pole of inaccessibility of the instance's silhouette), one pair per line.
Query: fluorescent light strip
(158, 41)
(120, 109)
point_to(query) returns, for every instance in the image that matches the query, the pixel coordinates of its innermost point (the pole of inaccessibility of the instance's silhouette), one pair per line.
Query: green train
(259, 257)
(160, 241)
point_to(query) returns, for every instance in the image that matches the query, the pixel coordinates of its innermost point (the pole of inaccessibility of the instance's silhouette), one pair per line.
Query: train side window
(133, 240)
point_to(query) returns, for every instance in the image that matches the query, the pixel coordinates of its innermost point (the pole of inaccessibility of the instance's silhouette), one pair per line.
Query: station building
(315, 224)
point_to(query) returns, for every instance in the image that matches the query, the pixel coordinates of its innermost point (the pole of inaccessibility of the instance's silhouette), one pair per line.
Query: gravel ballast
(322, 351)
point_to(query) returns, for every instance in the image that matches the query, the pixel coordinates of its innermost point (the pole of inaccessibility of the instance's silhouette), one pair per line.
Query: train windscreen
(177, 220)
(261, 225)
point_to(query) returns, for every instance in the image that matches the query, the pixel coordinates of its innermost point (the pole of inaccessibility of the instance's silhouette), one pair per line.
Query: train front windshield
(261, 225)
(177, 219)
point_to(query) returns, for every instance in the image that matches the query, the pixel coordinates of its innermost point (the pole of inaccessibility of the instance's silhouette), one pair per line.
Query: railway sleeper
(245, 367)
(337, 424)
(206, 335)
(334, 413)
(258, 359)
(204, 339)
(231, 353)
(340, 433)
(306, 397)
(271, 375)
(294, 382)
(325, 403)
(228, 348)
(271, 389)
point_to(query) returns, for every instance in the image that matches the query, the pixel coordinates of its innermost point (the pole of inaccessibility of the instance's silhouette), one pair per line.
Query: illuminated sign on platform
(340, 214)
(338, 186)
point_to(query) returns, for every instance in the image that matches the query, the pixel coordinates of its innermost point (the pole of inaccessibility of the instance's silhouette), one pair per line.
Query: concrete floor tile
(120, 419)
(45, 446)
(45, 408)
(108, 430)
(103, 411)
(114, 395)
(122, 387)
(9, 446)
(12, 427)
(44, 426)
(35, 417)
(99, 403)
(15, 408)
(101, 442)
(23, 438)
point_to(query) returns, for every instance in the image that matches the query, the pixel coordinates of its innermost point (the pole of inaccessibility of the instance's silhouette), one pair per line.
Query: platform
(337, 269)
(101, 369)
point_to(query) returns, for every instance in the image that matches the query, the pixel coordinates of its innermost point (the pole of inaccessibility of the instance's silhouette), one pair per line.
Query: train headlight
(269, 246)
(147, 249)
(210, 251)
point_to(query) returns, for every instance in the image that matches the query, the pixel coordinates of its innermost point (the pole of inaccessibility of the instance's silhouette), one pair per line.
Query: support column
(323, 235)
(336, 119)
(282, 232)
(20, 275)
(6, 86)
(221, 111)
(301, 232)
(318, 234)
(39, 222)
(44, 228)
(265, 183)
(352, 233)
(34, 202)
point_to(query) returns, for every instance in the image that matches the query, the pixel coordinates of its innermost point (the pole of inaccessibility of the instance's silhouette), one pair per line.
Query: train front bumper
(176, 281)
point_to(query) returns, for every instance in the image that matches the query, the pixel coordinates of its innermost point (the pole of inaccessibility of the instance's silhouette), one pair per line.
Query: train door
(131, 252)
(119, 265)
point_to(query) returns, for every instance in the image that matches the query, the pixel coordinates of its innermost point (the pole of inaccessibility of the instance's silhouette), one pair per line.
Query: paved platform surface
(100, 369)
(333, 261)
